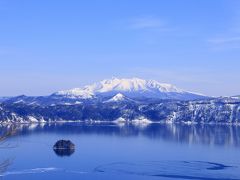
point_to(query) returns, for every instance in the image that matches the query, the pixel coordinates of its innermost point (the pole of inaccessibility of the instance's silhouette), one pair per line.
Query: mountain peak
(117, 97)
(135, 84)
(130, 87)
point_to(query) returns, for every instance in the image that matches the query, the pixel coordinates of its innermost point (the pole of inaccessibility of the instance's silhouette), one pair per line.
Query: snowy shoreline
(119, 121)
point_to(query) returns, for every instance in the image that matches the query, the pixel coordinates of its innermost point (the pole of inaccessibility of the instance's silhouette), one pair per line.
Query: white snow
(78, 102)
(67, 104)
(32, 119)
(42, 121)
(76, 92)
(141, 120)
(120, 85)
(235, 97)
(19, 101)
(120, 120)
(118, 97)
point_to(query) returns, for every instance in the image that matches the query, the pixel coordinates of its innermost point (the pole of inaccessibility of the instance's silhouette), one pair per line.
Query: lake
(111, 151)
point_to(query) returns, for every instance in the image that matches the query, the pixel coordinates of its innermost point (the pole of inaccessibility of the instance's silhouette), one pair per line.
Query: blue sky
(47, 46)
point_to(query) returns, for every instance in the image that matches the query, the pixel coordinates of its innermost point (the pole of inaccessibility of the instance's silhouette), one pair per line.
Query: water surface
(110, 151)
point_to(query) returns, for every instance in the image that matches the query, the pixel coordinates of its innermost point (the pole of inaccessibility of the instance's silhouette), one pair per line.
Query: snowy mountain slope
(117, 97)
(215, 111)
(236, 97)
(125, 100)
(3, 99)
(129, 89)
(133, 88)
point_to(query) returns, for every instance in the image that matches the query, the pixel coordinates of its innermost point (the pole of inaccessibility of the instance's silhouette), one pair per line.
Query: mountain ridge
(215, 111)
(132, 87)
(122, 100)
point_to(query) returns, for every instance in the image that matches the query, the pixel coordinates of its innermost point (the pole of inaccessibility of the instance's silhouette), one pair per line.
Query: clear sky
(50, 45)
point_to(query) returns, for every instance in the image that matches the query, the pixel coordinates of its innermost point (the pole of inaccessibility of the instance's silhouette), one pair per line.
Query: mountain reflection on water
(221, 135)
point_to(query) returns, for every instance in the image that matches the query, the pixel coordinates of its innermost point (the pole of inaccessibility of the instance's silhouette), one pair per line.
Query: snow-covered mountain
(214, 111)
(133, 88)
(119, 98)
(3, 99)
(123, 100)
(235, 97)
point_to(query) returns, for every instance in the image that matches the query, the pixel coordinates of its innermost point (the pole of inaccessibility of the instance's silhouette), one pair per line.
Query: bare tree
(4, 166)
(5, 135)
(3, 144)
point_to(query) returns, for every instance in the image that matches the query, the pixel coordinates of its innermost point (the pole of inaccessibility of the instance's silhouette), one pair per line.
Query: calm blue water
(127, 152)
